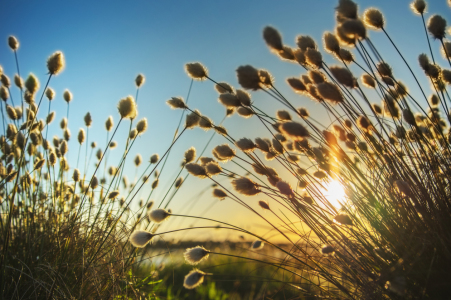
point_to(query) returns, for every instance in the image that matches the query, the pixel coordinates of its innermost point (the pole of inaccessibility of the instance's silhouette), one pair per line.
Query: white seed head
(196, 71)
(127, 108)
(194, 279)
(159, 215)
(140, 238)
(195, 255)
(56, 63)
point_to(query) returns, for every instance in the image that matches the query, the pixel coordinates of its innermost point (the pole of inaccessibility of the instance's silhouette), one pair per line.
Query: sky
(107, 43)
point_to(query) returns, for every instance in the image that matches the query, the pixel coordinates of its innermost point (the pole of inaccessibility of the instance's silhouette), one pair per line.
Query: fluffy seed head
(32, 83)
(56, 63)
(446, 76)
(347, 9)
(294, 130)
(368, 81)
(195, 255)
(109, 123)
(140, 238)
(343, 219)
(330, 92)
(190, 155)
(159, 215)
(285, 188)
(76, 175)
(244, 97)
(314, 58)
(346, 56)
(373, 18)
(331, 43)
(11, 112)
(273, 38)
(257, 245)
(194, 279)
(264, 204)
(218, 193)
(245, 186)
(178, 182)
(50, 93)
(229, 100)
(436, 26)
(139, 80)
(113, 194)
(18, 81)
(433, 100)
(305, 42)
(196, 170)
(5, 80)
(176, 102)
(213, 168)
(297, 85)
(13, 43)
(127, 108)
(88, 119)
(248, 77)
(328, 249)
(353, 29)
(408, 117)
(223, 152)
(67, 95)
(224, 87)
(81, 136)
(446, 49)
(245, 145)
(154, 158)
(4, 94)
(155, 183)
(192, 119)
(343, 76)
(94, 183)
(141, 127)
(196, 71)
(418, 6)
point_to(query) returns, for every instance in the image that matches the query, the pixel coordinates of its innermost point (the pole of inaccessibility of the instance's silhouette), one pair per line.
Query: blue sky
(107, 43)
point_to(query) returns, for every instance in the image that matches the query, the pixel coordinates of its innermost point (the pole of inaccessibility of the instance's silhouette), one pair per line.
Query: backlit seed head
(141, 126)
(32, 83)
(353, 29)
(347, 9)
(67, 96)
(196, 71)
(285, 188)
(196, 170)
(50, 93)
(154, 158)
(56, 63)
(76, 175)
(330, 92)
(343, 219)
(436, 26)
(132, 134)
(159, 215)
(81, 136)
(218, 193)
(294, 130)
(127, 108)
(113, 194)
(446, 49)
(66, 134)
(192, 119)
(88, 119)
(283, 115)
(368, 81)
(266, 79)
(99, 154)
(331, 43)
(224, 87)
(178, 182)
(273, 38)
(248, 77)
(109, 123)
(245, 186)
(18, 81)
(305, 42)
(11, 112)
(245, 145)
(64, 147)
(320, 174)
(373, 18)
(140, 238)
(213, 168)
(363, 123)
(194, 279)
(155, 183)
(257, 245)
(244, 97)
(176, 102)
(138, 160)
(418, 6)
(195, 255)
(94, 182)
(264, 204)
(139, 80)
(346, 56)
(229, 100)
(314, 58)
(190, 155)
(343, 76)
(4, 94)
(13, 43)
(223, 152)
(5, 80)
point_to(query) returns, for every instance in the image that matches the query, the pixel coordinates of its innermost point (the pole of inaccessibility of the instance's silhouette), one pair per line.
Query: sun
(335, 193)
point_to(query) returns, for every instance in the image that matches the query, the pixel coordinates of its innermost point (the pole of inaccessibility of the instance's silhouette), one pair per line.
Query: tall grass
(389, 237)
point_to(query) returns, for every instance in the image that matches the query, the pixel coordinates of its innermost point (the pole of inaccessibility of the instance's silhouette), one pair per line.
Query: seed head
(50, 93)
(195, 255)
(141, 127)
(88, 120)
(446, 49)
(368, 81)
(13, 43)
(257, 245)
(4, 94)
(11, 112)
(303, 112)
(343, 76)
(67, 95)
(353, 29)
(194, 279)
(66, 134)
(266, 78)
(178, 182)
(346, 56)
(159, 215)
(330, 92)
(223, 152)
(205, 123)
(224, 87)
(94, 183)
(196, 71)
(314, 58)
(196, 170)
(418, 6)
(109, 123)
(229, 100)
(273, 38)
(190, 155)
(264, 204)
(113, 194)
(245, 145)
(139, 80)
(347, 9)
(5, 80)
(305, 42)
(294, 130)
(213, 168)
(248, 77)
(343, 219)
(436, 26)
(56, 63)
(155, 183)
(140, 238)
(218, 193)
(245, 186)
(434, 100)
(154, 158)
(63, 147)
(76, 175)
(127, 108)
(192, 119)
(328, 249)
(32, 83)
(244, 97)
(373, 18)
(176, 102)
(446, 76)
(297, 85)
(81, 136)
(18, 81)
(331, 43)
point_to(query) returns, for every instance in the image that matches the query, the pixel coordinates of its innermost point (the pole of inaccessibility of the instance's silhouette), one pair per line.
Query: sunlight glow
(335, 193)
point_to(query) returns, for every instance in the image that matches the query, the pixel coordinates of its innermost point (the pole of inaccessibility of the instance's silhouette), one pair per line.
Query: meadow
(355, 205)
